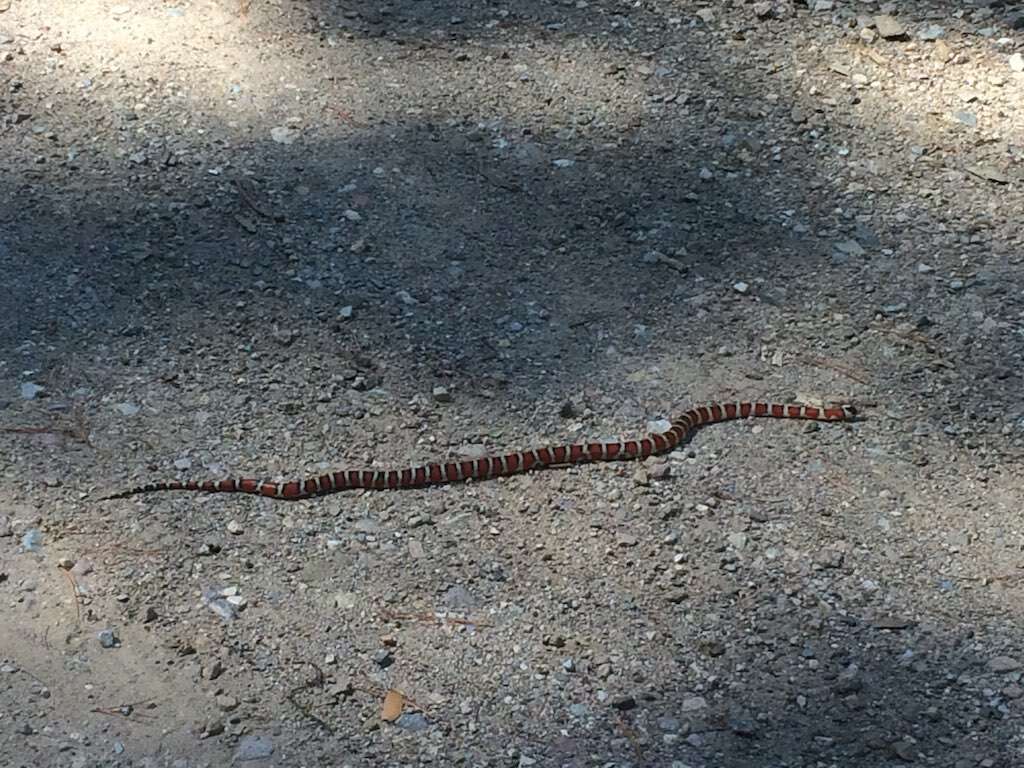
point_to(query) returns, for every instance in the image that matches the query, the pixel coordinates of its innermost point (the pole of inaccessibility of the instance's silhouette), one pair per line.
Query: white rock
(693, 703)
(345, 600)
(284, 135)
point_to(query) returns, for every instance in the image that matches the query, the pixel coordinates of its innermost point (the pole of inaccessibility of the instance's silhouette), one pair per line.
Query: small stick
(316, 682)
(125, 710)
(74, 434)
(915, 336)
(74, 595)
(820, 361)
(431, 618)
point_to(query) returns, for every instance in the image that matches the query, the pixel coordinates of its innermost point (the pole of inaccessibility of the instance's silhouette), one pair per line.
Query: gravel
(268, 239)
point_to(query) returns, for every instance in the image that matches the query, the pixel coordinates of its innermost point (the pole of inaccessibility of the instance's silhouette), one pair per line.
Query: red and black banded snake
(489, 467)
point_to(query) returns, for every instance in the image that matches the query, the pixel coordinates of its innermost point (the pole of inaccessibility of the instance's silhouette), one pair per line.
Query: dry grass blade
(837, 367)
(425, 617)
(74, 595)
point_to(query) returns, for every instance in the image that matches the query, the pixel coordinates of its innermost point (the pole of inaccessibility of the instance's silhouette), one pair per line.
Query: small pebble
(1003, 664)
(693, 704)
(888, 27)
(253, 748)
(623, 703)
(108, 639)
(412, 721)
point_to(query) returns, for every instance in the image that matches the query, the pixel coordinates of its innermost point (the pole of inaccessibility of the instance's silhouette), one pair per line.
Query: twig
(74, 434)
(125, 710)
(316, 682)
(33, 676)
(247, 191)
(431, 618)
(668, 261)
(74, 595)
(632, 736)
(814, 360)
(915, 336)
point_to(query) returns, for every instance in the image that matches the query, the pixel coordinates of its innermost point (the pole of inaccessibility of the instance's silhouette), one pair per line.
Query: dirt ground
(308, 235)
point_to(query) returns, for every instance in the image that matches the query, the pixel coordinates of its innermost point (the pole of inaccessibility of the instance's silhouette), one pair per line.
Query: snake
(680, 430)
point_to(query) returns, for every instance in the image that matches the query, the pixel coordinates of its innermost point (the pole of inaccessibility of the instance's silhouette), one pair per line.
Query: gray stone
(108, 639)
(1003, 664)
(669, 724)
(693, 704)
(893, 309)
(254, 747)
(967, 118)
(623, 702)
(460, 598)
(412, 721)
(743, 725)
(849, 247)
(284, 135)
(888, 27)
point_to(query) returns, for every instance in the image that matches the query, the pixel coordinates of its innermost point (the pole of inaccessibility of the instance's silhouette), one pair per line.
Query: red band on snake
(490, 467)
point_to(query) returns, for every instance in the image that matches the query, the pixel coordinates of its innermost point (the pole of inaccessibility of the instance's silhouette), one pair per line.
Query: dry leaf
(394, 703)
